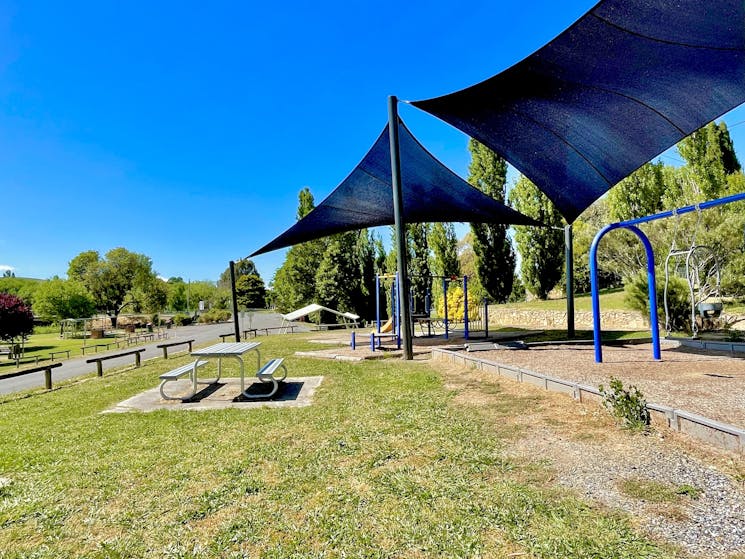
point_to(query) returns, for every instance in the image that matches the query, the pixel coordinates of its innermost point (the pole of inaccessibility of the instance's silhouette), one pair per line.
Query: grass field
(610, 299)
(385, 463)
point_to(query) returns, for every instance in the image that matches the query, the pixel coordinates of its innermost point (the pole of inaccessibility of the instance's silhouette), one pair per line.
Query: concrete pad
(293, 392)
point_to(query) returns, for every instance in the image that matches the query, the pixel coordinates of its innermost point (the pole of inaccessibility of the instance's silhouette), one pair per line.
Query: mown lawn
(610, 299)
(385, 463)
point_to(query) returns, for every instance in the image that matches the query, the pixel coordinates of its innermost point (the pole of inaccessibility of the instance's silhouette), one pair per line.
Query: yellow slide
(387, 327)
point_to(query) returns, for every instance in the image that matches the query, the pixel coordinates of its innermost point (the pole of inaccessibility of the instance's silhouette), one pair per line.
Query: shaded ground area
(294, 392)
(708, 383)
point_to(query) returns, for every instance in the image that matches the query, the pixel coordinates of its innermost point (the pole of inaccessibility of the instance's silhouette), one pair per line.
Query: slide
(387, 327)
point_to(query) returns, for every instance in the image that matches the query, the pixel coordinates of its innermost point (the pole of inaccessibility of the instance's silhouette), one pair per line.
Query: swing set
(394, 322)
(698, 263)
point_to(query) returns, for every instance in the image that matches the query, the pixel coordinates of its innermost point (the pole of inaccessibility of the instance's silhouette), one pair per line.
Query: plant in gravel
(626, 404)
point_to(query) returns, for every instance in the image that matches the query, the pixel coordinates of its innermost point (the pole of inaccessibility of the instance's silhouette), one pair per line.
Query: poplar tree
(294, 282)
(444, 244)
(541, 248)
(495, 257)
(420, 276)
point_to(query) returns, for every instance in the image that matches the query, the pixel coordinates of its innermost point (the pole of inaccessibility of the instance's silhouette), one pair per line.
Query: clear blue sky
(185, 130)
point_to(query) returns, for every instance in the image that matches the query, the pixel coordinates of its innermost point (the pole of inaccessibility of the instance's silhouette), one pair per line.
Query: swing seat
(709, 310)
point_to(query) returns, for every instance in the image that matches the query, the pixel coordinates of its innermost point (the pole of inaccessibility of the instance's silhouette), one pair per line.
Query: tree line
(116, 282)
(339, 271)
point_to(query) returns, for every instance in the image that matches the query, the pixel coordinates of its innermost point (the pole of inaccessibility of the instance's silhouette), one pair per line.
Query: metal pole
(445, 304)
(569, 263)
(235, 303)
(377, 301)
(465, 306)
(398, 216)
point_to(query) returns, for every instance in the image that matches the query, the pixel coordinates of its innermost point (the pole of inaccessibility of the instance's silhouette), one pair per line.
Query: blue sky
(185, 130)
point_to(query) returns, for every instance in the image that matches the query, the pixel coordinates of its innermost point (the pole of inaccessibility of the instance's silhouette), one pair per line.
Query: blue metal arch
(651, 281)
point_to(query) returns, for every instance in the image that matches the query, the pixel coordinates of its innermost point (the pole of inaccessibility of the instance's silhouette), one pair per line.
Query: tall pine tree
(495, 257)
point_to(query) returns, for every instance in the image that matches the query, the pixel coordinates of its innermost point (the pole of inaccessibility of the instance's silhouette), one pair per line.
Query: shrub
(16, 318)
(215, 315)
(455, 305)
(182, 319)
(626, 405)
(678, 300)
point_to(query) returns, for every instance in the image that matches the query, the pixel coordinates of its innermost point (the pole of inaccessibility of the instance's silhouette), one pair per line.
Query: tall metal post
(377, 301)
(465, 306)
(569, 263)
(235, 303)
(398, 216)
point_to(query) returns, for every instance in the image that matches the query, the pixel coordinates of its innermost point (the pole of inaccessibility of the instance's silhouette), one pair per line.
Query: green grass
(656, 492)
(383, 464)
(610, 299)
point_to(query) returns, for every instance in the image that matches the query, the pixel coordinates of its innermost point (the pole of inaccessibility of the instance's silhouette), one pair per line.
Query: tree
(495, 257)
(111, 280)
(58, 299)
(293, 284)
(710, 154)
(250, 291)
(541, 248)
(177, 294)
(337, 277)
(639, 194)
(82, 264)
(243, 267)
(420, 276)
(16, 318)
(444, 243)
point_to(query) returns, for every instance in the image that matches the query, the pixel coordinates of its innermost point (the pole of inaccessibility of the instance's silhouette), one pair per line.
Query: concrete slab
(294, 392)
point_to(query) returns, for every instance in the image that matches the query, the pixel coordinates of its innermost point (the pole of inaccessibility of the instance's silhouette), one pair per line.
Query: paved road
(201, 333)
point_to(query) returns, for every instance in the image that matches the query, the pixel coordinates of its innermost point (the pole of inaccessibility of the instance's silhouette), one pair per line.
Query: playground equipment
(395, 315)
(631, 225)
(699, 266)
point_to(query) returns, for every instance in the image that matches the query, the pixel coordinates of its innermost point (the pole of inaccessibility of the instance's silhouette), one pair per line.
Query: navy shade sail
(625, 82)
(431, 193)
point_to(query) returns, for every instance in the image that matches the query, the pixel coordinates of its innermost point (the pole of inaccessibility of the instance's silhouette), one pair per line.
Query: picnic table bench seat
(177, 373)
(266, 374)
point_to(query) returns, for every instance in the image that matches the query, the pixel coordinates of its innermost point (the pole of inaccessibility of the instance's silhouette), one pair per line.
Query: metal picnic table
(236, 350)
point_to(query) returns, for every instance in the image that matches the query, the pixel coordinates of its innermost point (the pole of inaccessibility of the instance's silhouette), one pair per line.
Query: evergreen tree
(541, 248)
(294, 285)
(420, 276)
(710, 154)
(495, 257)
(365, 258)
(337, 278)
(444, 244)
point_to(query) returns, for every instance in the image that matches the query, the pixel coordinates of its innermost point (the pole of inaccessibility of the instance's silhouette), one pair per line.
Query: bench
(47, 373)
(99, 360)
(59, 351)
(188, 369)
(266, 374)
(165, 347)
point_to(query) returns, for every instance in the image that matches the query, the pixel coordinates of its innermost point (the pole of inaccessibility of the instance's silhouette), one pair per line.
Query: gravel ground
(586, 453)
(712, 525)
(709, 383)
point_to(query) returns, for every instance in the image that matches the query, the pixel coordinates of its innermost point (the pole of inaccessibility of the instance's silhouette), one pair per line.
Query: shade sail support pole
(398, 216)
(233, 294)
(569, 263)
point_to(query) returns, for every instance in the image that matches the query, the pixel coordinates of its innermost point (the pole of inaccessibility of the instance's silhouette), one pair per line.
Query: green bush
(626, 405)
(678, 299)
(214, 315)
(182, 319)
